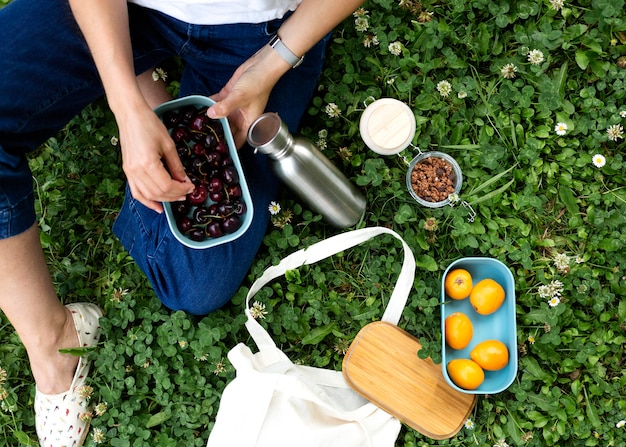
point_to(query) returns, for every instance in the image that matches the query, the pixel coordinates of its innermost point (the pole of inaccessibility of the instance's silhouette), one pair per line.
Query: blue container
(500, 325)
(201, 101)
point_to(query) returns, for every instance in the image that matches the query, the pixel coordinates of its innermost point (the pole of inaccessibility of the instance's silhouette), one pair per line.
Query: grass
(542, 207)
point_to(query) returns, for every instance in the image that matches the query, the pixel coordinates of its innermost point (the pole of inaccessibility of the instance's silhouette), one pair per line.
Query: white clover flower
(3, 376)
(361, 24)
(114, 141)
(85, 391)
(332, 110)
(554, 301)
(621, 424)
(274, 208)
(159, 73)
(220, 367)
(560, 128)
(561, 261)
(361, 12)
(462, 94)
(535, 57)
(395, 48)
(97, 435)
(444, 88)
(556, 288)
(544, 291)
(556, 4)
(501, 443)
(615, 132)
(622, 113)
(508, 71)
(370, 40)
(598, 160)
(100, 409)
(258, 311)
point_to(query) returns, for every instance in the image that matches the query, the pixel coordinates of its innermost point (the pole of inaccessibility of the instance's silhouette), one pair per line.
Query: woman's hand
(146, 151)
(244, 97)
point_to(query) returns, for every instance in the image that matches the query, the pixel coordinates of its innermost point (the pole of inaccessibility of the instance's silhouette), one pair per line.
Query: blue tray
(500, 325)
(201, 101)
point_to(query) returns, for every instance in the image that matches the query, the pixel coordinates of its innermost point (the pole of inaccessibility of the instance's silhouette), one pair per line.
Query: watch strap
(277, 44)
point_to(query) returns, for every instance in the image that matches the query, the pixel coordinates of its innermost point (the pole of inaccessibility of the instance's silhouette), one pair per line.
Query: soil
(433, 179)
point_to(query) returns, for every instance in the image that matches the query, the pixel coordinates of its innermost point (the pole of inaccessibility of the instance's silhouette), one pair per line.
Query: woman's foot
(62, 417)
(53, 374)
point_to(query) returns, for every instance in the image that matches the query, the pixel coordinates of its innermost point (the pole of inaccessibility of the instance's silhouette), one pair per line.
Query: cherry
(214, 158)
(171, 118)
(222, 147)
(198, 149)
(234, 191)
(215, 184)
(199, 123)
(224, 208)
(214, 229)
(180, 208)
(239, 207)
(217, 196)
(230, 175)
(180, 134)
(197, 234)
(231, 223)
(187, 113)
(201, 215)
(184, 224)
(198, 196)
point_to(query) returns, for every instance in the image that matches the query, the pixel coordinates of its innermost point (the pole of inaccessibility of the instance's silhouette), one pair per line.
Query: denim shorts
(47, 76)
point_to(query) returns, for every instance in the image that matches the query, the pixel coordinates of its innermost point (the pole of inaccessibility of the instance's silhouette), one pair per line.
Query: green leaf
(492, 194)
(567, 197)
(158, 418)
(490, 181)
(426, 262)
(318, 334)
(582, 60)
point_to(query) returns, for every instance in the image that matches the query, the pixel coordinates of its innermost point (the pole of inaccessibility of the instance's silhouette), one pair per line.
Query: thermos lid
(268, 134)
(387, 126)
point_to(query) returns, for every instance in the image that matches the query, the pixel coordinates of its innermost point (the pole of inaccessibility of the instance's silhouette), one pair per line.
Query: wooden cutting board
(382, 365)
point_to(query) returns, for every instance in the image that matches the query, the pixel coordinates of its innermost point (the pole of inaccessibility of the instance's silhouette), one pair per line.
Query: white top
(220, 12)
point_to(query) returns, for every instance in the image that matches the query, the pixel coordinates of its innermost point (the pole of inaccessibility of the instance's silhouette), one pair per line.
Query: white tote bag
(274, 403)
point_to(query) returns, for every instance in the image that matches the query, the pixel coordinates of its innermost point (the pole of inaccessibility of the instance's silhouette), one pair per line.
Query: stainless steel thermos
(306, 171)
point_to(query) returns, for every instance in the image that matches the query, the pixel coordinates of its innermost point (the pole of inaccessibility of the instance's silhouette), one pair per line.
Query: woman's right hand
(147, 150)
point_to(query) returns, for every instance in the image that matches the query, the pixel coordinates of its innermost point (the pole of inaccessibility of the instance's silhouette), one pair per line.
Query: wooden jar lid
(387, 126)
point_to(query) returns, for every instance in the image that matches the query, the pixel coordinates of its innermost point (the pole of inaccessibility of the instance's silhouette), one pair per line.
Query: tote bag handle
(325, 249)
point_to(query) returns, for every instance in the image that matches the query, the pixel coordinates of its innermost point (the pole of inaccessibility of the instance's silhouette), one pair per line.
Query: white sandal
(62, 420)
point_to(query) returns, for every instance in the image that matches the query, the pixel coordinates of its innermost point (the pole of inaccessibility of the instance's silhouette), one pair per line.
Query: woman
(63, 56)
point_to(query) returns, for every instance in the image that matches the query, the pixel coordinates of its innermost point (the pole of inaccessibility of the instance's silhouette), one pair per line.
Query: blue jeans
(47, 76)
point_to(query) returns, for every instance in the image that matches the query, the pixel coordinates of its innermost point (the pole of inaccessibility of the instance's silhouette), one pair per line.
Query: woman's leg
(40, 67)
(154, 91)
(47, 76)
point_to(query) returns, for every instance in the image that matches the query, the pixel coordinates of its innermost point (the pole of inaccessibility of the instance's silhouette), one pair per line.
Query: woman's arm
(245, 96)
(144, 140)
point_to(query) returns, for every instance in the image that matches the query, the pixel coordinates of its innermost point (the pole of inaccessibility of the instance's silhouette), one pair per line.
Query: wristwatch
(285, 52)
